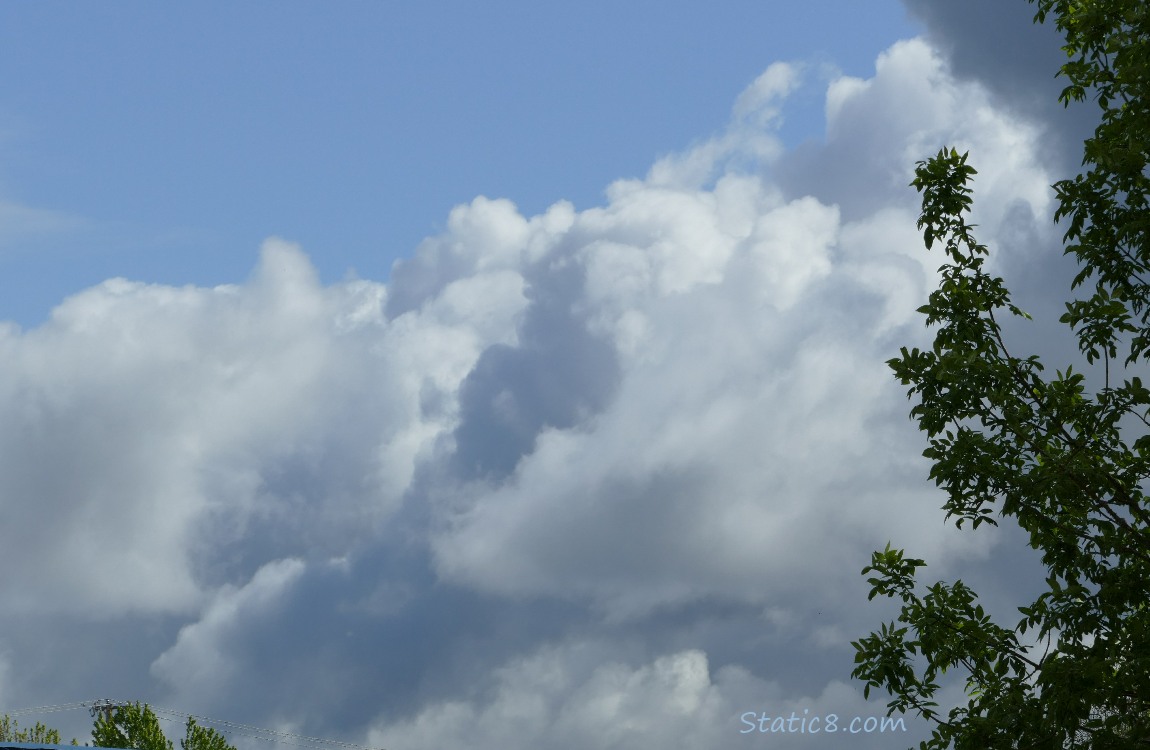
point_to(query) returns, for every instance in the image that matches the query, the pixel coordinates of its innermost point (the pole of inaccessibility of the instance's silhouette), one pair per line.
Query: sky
(490, 376)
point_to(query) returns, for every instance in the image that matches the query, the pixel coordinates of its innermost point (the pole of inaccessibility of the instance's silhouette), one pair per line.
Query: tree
(10, 732)
(136, 726)
(129, 726)
(203, 738)
(1066, 456)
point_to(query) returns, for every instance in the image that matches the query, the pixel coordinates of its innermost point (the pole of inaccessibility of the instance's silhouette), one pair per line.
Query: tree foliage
(11, 732)
(197, 737)
(136, 726)
(1066, 456)
(129, 726)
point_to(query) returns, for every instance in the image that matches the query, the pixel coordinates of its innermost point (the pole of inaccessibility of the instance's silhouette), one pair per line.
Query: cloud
(165, 440)
(1015, 60)
(577, 696)
(867, 158)
(199, 659)
(22, 226)
(571, 697)
(749, 139)
(741, 337)
(5, 679)
(600, 477)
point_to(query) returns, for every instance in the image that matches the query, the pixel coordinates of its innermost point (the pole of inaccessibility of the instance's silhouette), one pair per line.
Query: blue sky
(167, 143)
(501, 376)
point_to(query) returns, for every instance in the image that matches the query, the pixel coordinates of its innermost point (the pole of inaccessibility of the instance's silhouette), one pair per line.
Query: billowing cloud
(868, 156)
(578, 696)
(1016, 61)
(159, 427)
(199, 658)
(742, 335)
(598, 478)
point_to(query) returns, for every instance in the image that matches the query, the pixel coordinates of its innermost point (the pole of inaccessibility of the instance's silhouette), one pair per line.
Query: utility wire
(48, 709)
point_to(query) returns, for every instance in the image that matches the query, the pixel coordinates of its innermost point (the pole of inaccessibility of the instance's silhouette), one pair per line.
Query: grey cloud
(998, 44)
(557, 375)
(338, 644)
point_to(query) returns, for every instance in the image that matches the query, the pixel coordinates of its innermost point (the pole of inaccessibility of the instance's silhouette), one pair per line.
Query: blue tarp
(41, 746)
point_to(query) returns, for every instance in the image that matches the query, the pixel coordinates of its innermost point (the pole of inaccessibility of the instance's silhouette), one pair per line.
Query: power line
(48, 709)
(244, 730)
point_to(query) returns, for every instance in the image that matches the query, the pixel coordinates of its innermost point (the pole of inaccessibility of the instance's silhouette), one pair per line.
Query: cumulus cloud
(743, 334)
(451, 505)
(1015, 59)
(199, 658)
(578, 696)
(571, 697)
(180, 438)
(868, 156)
(749, 138)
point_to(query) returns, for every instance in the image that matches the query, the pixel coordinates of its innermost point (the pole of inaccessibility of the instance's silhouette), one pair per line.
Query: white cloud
(575, 696)
(748, 142)
(150, 427)
(729, 390)
(578, 696)
(752, 418)
(21, 226)
(676, 400)
(760, 103)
